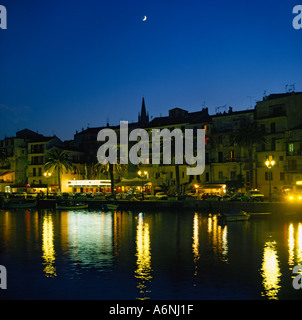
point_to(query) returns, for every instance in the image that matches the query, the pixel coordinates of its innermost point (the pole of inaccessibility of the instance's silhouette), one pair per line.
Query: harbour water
(91, 254)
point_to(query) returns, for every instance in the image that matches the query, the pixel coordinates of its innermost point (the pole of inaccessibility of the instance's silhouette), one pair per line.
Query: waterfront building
(279, 115)
(229, 165)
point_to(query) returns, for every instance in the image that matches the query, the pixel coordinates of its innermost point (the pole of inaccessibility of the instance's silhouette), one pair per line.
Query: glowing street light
(270, 163)
(142, 174)
(47, 175)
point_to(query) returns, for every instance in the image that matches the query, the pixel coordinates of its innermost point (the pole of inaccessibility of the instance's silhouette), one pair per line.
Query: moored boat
(110, 206)
(18, 203)
(71, 205)
(235, 215)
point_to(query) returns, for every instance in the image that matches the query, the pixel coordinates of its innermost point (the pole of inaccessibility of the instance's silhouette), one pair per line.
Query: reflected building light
(270, 271)
(225, 243)
(48, 247)
(299, 247)
(143, 254)
(217, 237)
(291, 245)
(195, 244)
(210, 224)
(90, 239)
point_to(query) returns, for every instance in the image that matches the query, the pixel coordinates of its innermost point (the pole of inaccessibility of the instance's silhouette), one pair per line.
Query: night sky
(66, 65)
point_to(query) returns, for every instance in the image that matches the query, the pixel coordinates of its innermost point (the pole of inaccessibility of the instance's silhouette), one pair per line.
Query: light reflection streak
(143, 254)
(48, 247)
(195, 245)
(218, 237)
(291, 245)
(299, 247)
(90, 239)
(270, 271)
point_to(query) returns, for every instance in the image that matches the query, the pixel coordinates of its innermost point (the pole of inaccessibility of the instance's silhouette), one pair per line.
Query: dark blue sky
(67, 64)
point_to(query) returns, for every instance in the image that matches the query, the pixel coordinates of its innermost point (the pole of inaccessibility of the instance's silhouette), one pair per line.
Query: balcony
(293, 168)
(36, 163)
(294, 153)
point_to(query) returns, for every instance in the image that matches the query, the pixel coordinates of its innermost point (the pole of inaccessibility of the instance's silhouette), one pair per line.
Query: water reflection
(270, 271)
(294, 245)
(195, 245)
(143, 254)
(217, 237)
(48, 246)
(90, 239)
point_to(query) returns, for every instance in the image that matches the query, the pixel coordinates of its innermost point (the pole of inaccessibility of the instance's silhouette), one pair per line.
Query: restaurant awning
(133, 182)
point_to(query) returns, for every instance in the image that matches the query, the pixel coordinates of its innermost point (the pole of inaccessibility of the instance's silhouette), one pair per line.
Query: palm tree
(109, 169)
(57, 160)
(247, 137)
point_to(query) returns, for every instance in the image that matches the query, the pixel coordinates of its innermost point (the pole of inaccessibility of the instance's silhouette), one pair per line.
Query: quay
(280, 208)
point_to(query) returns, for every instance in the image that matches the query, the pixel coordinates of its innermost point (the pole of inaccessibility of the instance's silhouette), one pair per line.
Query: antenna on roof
(250, 101)
(221, 107)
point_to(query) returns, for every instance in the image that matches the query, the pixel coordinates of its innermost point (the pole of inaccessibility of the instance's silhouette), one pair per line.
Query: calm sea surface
(155, 255)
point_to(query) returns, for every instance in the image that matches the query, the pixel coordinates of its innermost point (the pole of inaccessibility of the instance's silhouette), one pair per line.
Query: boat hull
(235, 216)
(19, 204)
(71, 206)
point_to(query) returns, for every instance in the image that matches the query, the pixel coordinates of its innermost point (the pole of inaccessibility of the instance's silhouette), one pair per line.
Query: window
(291, 148)
(281, 158)
(233, 175)
(220, 156)
(263, 147)
(220, 175)
(273, 144)
(34, 172)
(207, 176)
(292, 164)
(273, 127)
(281, 176)
(40, 172)
(232, 154)
(207, 158)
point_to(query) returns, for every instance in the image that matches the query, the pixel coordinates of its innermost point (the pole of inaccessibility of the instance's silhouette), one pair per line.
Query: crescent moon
(145, 18)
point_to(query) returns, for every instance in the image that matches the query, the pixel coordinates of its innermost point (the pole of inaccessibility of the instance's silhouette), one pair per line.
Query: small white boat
(71, 205)
(235, 215)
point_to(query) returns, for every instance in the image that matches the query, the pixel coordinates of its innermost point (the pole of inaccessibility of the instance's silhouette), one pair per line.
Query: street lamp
(270, 163)
(142, 174)
(47, 175)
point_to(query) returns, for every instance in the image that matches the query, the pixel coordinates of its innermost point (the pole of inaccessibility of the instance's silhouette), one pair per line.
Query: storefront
(93, 186)
(130, 185)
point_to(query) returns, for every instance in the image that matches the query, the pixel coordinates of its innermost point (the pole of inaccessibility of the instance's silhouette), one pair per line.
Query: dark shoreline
(284, 208)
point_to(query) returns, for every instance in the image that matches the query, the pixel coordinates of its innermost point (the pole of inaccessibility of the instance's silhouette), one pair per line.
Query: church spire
(143, 116)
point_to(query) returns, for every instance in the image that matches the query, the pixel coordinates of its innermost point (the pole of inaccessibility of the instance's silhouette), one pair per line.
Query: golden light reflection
(218, 237)
(291, 245)
(195, 245)
(48, 247)
(270, 271)
(143, 254)
(299, 247)
(294, 245)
